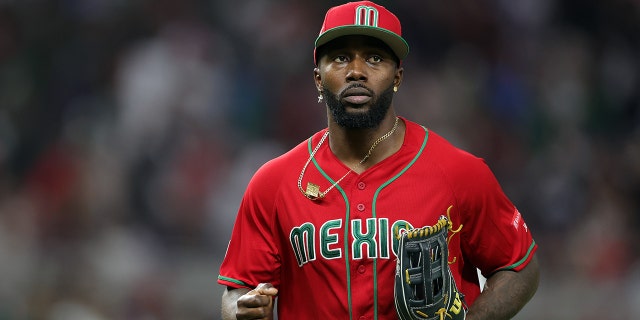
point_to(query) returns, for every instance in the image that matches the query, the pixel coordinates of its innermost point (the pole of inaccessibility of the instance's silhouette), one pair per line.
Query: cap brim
(395, 42)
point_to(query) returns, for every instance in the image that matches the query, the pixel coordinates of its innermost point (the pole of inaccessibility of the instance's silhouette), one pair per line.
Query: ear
(317, 78)
(397, 79)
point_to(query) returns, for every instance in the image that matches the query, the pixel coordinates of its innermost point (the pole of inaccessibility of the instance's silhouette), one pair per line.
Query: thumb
(266, 289)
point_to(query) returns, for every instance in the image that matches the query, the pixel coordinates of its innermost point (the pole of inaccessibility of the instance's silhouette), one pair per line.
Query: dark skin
(505, 293)
(364, 60)
(368, 62)
(243, 303)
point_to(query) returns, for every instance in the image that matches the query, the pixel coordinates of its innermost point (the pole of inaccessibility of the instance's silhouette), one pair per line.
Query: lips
(356, 95)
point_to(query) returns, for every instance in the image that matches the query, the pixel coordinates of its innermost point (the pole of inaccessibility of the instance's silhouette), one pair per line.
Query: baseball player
(316, 234)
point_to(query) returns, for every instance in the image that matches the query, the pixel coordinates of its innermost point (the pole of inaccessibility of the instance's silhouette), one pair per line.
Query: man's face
(356, 75)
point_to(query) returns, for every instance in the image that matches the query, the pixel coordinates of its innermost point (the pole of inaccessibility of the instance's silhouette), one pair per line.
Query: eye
(375, 59)
(340, 58)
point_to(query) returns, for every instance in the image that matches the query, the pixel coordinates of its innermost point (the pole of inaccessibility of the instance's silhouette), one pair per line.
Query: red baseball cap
(363, 18)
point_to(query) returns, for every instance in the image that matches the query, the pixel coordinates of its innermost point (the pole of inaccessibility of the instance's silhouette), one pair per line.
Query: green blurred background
(129, 129)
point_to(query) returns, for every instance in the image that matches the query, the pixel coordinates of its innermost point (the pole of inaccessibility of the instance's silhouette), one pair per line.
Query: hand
(257, 303)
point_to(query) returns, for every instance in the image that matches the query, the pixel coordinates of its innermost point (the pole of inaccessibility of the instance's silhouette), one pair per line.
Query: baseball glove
(424, 286)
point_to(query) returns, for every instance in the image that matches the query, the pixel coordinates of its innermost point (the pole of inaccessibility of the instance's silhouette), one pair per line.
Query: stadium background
(129, 129)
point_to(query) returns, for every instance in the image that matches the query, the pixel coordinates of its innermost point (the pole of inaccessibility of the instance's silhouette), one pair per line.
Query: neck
(352, 145)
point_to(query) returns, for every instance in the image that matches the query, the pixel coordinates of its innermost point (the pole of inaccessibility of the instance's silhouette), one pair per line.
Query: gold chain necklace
(313, 190)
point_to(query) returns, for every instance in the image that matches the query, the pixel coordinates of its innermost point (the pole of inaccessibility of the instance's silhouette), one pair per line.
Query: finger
(261, 296)
(252, 300)
(257, 303)
(262, 312)
(266, 289)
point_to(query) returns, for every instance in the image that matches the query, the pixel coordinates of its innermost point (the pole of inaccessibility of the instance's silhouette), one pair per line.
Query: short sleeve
(495, 235)
(252, 255)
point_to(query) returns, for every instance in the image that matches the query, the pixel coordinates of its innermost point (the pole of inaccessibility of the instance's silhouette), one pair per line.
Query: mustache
(355, 85)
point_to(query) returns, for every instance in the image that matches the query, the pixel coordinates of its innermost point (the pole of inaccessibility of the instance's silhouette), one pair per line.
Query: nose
(357, 70)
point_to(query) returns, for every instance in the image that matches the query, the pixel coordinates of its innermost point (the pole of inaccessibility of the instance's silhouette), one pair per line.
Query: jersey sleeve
(495, 234)
(252, 255)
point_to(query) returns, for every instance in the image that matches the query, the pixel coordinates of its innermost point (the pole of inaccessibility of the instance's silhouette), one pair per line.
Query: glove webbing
(414, 275)
(429, 230)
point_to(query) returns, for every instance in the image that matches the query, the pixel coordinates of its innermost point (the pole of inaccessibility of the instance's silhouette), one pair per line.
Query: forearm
(230, 302)
(505, 293)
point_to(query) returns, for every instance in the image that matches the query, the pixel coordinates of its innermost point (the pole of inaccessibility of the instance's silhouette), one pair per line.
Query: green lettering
(327, 239)
(303, 243)
(384, 237)
(396, 228)
(360, 238)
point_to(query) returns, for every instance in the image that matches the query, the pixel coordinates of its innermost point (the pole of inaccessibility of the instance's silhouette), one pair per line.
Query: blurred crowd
(130, 128)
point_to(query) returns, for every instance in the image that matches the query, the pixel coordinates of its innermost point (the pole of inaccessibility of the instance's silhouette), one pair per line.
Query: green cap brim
(397, 44)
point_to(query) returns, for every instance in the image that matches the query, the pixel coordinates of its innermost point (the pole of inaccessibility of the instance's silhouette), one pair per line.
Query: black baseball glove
(424, 286)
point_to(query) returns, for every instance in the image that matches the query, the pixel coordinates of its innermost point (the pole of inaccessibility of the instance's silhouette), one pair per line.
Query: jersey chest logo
(370, 238)
(363, 239)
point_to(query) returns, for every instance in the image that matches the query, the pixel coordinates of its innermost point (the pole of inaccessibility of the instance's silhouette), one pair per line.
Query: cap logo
(366, 16)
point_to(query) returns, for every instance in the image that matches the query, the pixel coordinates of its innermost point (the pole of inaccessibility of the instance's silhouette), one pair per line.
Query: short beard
(361, 120)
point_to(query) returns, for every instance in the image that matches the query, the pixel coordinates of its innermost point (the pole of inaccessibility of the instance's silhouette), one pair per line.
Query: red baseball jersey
(334, 258)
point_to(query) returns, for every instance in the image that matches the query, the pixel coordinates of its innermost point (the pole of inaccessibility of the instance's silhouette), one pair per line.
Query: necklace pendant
(313, 191)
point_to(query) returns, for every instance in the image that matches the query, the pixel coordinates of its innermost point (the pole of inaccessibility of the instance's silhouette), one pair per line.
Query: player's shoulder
(436, 146)
(440, 147)
(442, 153)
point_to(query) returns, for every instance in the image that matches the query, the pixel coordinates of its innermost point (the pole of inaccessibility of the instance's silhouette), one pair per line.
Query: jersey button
(361, 269)
(361, 185)
(360, 207)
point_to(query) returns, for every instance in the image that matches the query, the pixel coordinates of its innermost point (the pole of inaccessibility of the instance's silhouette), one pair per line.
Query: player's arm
(244, 304)
(230, 302)
(505, 293)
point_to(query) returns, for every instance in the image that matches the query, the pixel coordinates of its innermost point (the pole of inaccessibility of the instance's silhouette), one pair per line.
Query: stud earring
(395, 89)
(320, 97)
